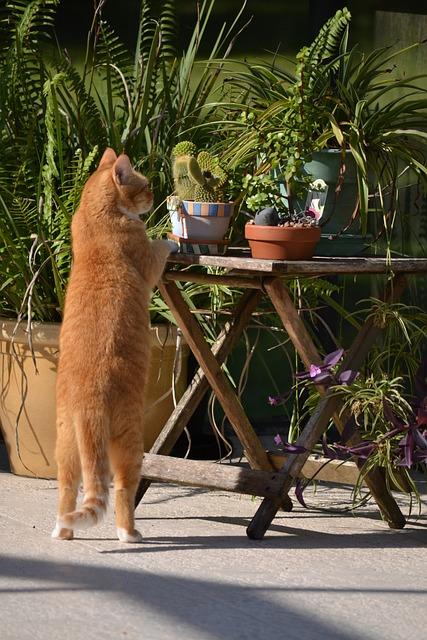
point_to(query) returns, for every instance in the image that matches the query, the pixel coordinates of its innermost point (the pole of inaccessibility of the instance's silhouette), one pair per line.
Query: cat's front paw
(125, 536)
(173, 246)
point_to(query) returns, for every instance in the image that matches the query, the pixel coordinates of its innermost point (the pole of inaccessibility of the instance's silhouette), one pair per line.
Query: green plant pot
(339, 207)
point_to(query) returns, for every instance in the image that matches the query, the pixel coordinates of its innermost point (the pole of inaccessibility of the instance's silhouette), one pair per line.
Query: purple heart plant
(393, 432)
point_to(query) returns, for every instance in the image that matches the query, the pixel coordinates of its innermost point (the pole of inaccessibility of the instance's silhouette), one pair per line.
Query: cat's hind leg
(126, 460)
(69, 474)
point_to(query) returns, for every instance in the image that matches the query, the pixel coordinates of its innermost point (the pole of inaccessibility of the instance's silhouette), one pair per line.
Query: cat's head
(133, 196)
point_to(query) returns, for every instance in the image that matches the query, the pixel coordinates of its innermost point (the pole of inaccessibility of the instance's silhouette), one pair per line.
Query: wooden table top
(240, 260)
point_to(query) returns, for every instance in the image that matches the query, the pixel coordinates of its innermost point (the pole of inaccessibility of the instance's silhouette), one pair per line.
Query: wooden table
(263, 278)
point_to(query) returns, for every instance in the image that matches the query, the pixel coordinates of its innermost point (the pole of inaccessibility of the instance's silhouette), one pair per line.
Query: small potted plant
(199, 215)
(283, 228)
(283, 236)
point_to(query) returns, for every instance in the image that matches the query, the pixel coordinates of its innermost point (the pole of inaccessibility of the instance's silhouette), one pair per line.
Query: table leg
(199, 385)
(326, 408)
(254, 451)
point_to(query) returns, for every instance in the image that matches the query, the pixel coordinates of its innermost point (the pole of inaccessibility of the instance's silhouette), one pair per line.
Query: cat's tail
(92, 438)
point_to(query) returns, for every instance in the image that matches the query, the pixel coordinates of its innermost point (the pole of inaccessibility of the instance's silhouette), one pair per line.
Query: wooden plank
(317, 266)
(209, 475)
(324, 469)
(205, 278)
(217, 379)
(317, 424)
(199, 385)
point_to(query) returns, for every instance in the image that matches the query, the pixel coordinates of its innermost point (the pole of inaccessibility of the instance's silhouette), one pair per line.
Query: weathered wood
(292, 321)
(317, 424)
(240, 260)
(324, 469)
(204, 278)
(217, 379)
(296, 329)
(199, 385)
(225, 477)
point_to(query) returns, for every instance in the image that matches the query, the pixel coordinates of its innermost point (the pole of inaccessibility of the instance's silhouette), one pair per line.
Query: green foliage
(337, 98)
(387, 379)
(366, 400)
(57, 117)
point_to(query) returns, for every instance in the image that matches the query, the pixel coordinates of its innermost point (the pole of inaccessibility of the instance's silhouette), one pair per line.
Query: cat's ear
(108, 158)
(122, 170)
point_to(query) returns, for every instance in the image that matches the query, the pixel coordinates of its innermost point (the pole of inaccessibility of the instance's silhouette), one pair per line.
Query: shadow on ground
(212, 609)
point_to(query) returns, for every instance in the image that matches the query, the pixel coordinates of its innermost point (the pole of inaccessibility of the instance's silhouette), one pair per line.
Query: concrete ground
(316, 575)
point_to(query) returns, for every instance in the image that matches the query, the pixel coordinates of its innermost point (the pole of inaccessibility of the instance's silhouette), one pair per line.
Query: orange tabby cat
(105, 348)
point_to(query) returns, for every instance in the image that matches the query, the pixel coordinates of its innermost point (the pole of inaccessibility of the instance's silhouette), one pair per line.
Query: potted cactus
(200, 218)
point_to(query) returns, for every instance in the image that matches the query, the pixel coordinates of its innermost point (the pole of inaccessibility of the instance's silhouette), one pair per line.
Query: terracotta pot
(282, 243)
(31, 447)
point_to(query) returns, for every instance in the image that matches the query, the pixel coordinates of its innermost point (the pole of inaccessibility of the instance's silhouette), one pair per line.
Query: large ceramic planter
(200, 227)
(27, 400)
(340, 235)
(282, 243)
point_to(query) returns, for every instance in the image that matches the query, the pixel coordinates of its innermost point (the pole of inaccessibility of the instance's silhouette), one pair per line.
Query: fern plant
(56, 118)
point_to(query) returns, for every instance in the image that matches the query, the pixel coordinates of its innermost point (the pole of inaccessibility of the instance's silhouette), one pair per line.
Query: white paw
(61, 533)
(125, 536)
(173, 246)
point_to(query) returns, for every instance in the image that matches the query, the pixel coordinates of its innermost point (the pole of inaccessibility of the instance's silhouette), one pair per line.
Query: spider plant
(386, 399)
(340, 98)
(56, 117)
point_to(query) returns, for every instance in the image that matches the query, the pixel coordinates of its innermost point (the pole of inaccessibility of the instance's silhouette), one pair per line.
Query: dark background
(287, 24)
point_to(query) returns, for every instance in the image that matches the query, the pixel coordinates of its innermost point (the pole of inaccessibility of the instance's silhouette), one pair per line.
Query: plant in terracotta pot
(287, 203)
(283, 234)
(200, 213)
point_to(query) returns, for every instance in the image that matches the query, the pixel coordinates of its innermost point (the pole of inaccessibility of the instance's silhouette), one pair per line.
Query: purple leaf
(419, 439)
(347, 377)
(407, 444)
(299, 488)
(394, 432)
(288, 447)
(321, 377)
(333, 358)
(314, 371)
(328, 452)
(363, 449)
(302, 375)
(278, 440)
(274, 401)
(389, 415)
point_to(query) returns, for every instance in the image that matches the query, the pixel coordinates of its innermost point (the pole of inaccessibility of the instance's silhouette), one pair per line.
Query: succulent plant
(270, 217)
(200, 178)
(267, 217)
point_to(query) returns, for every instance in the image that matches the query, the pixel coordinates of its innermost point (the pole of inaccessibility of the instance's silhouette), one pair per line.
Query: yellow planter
(27, 399)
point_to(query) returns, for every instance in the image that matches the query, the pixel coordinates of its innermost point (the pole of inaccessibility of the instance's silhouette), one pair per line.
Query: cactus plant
(200, 178)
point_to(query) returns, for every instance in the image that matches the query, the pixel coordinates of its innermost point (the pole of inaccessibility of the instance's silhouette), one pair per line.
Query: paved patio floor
(317, 574)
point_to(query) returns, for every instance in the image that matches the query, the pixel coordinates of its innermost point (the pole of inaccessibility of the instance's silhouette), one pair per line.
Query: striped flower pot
(202, 223)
